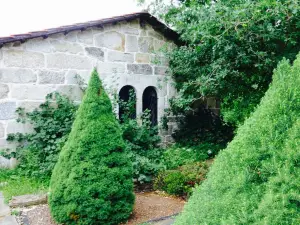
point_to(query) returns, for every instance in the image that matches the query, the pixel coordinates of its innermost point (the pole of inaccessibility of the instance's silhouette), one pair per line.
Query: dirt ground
(148, 206)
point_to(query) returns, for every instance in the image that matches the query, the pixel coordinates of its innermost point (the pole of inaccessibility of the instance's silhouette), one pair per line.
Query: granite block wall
(124, 54)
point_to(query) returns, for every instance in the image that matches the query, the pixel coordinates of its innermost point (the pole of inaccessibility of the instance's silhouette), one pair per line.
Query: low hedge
(181, 181)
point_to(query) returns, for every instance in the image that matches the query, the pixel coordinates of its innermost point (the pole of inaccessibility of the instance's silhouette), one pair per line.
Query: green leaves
(254, 180)
(51, 123)
(142, 142)
(92, 180)
(231, 46)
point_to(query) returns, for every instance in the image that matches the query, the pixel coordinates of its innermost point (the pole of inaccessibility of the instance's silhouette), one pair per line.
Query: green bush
(38, 151)
(142, 142)
(256, 179)
(181, 181)
(230, 50)
(92, 180)
(178, 155)
(172, 182)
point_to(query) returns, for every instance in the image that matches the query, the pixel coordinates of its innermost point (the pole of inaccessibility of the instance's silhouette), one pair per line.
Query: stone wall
(124, 54)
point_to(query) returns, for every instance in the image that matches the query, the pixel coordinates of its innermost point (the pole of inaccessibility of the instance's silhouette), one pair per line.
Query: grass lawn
(13, 185)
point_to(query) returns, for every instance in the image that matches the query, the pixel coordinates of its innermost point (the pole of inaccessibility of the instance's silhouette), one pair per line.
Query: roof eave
(143, 16)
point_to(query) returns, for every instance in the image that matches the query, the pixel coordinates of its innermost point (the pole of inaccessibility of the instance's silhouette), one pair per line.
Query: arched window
(127, 103)
(150, 103)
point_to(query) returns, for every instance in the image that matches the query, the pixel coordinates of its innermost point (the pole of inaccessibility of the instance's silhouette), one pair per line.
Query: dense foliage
(51, 122)
(230, 50)
(178, 155)
(180, 181)
(256, 179)
(142, 144)
(142, 141)
(38, 151)
(204, 128)
(92, 180)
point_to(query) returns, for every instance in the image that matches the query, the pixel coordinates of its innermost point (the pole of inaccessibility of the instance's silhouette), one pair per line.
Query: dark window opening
(127, 103)
(150, 103)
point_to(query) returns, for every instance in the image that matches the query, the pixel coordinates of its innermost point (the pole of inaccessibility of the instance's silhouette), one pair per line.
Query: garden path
(5, 217)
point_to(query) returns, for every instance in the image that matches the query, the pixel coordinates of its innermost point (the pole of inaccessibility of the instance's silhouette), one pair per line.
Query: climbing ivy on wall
(51, 123)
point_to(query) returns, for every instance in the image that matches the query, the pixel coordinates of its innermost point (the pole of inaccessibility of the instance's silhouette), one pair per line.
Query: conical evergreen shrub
(256, 180)
(92, 180)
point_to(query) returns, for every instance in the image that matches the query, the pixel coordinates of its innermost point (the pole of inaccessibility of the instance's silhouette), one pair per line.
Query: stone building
(125, 50)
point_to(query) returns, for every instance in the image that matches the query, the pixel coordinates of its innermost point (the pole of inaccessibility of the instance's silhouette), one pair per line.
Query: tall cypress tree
(92, 180)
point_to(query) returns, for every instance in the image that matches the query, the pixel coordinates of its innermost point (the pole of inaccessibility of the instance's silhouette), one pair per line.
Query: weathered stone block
(161, 91)
(111, 40)
(142, 58)
(170, 45)
(3, 91)
(11, 75)
(111, 27)
(18, 58)
(2, 131)
(64, 46)
(160, 70)
(72, 91)
(171, 89)
(15, 127)
(7, 145)
(74, 76)
(51, 77)
(71, 76)
(144, 69)
(143, 32)
(72, 36)
(86, 37)
(131, 44)
(110, 67)
(135, 24)
(130, 30)
(7, 110)
(97, 53)
(29, 106)
(28, 200)
(65, 61)
(31, 92)
(159, 45)
(153, 33)
(38, 45)
(5, 163)
(146, 44)
(159, 60)
(97, 30)
(115, 56)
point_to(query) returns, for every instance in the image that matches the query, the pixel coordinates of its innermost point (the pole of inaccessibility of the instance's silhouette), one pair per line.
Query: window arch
(127, 103)
(150, 103)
